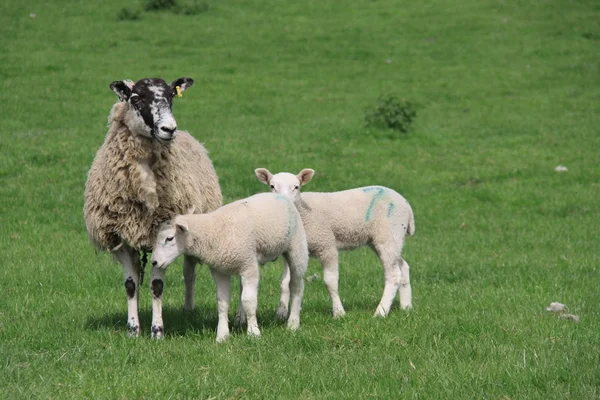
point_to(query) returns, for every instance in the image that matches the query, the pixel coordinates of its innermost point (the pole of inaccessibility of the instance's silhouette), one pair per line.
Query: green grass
(506, 91)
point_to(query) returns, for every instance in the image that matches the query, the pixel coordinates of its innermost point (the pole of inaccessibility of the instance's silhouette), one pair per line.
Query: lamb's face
(150, 102)
(284, 183)
(169, 245)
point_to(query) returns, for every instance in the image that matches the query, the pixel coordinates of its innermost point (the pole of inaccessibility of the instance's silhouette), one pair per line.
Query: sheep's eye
(296, 187)
(169, 238)
(135, 99)
(272, 186)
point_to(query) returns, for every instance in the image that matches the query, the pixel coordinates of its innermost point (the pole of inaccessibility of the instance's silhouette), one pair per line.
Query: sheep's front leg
(157, 284)
(131, 270)
(250, 298)
(329, 261)
(405, 288)
(282, 310)
(223, 287)
(189, 276)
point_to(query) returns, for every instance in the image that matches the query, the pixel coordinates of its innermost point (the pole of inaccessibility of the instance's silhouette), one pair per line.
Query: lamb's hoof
(222, 338)
(406, 306)
(157, 332)
(338, 313)
(133, 330)
(254, 331)
(282, 312)
(293, 324)
(380, 313)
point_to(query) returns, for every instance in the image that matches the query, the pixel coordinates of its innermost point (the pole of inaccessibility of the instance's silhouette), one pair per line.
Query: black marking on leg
(156, 330)
(130, 287)
(133, 329)
(157, 287)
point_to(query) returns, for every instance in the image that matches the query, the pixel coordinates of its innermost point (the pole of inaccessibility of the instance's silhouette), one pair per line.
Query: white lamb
(234, 240)
(373, 216)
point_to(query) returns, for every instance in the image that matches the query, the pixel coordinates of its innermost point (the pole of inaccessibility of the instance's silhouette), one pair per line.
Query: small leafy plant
(127, 14)
(392, 112)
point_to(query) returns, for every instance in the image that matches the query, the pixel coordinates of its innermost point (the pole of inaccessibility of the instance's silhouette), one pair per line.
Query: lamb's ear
(183, 83)
(181, 227)
(263, 175)
(305, 176)
(122, 89)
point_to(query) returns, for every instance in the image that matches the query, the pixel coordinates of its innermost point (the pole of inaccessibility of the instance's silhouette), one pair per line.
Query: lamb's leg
(392, 275)
(329, 261)
(189, 276)
(250, 298)
(240, 315)
(405, 289)
(157, 284)
(131, 270)
(296, 285)
(282, 310)
(223, 285)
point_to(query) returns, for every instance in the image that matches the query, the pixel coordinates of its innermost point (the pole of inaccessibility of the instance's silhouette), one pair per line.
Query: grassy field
(506, 91)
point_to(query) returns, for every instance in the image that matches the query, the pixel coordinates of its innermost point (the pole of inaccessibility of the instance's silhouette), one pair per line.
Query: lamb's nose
(154, 263)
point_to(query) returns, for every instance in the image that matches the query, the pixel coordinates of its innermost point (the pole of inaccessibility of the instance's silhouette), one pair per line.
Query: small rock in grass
(561, 168)
(570, 317)
(556, 307)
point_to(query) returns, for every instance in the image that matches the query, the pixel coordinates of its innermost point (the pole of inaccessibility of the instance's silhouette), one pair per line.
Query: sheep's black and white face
(150, 102)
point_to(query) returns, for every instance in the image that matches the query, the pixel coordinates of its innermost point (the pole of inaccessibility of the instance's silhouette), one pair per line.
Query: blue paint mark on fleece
(378, 194)
(391, 207)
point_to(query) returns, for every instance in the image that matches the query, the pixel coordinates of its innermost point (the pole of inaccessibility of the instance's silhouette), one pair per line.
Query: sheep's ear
(122, 89)
(263, 175)
(181, 227)
(305, 175)
(183, 83)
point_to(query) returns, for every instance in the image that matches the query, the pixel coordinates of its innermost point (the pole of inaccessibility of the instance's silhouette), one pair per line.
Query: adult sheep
(145, 173)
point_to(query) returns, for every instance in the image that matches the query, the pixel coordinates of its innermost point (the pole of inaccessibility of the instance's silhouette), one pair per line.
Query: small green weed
(391, 112)
(191, 7)
(158, 5)
(127, 14)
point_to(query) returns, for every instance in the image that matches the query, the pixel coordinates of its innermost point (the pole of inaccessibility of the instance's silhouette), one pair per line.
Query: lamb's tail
(411, 223)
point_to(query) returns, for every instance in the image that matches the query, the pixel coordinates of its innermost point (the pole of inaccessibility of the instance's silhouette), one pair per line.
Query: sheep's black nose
(154, 263)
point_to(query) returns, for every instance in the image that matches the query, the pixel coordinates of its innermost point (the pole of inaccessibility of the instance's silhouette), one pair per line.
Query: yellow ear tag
(178, 89)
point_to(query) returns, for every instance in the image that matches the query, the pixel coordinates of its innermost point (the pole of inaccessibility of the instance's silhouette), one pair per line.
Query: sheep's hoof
(222, 338)
(293, 324)
(133, 330)
(282, 311)
(254, 331)
(338, 313)
(157, 332)
(406, 306)
(380, 313)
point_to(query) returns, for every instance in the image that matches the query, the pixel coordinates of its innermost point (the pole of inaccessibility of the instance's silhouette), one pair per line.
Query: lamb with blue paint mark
(373, 216)
(234, 240)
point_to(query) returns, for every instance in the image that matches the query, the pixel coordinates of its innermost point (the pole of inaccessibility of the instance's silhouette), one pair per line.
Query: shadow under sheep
(179, 322)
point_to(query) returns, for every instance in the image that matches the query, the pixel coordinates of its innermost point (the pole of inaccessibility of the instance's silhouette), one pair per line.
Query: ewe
(373, 216)
(235, 240)
(145, 173)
